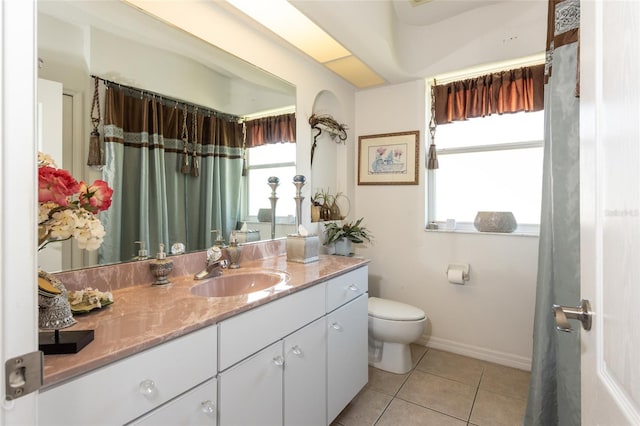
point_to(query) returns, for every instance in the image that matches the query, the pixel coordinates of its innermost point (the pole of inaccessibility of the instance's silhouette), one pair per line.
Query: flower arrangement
(68, 208)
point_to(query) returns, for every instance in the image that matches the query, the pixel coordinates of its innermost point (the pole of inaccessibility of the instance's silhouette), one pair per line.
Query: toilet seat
(395, 311)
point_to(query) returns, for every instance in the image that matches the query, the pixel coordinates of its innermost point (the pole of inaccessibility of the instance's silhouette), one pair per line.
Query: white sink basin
(239, 283)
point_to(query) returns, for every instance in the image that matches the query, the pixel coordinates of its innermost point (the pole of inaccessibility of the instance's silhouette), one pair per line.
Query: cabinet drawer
(347, 287)
(247, 333)
(126, 389)
(196, 407)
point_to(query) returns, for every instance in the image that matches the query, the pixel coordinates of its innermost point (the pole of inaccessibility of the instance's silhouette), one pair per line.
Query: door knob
(564, 313)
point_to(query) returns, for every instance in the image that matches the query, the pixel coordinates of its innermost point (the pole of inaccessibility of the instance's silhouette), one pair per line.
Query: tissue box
(302, 249)
(247, 236)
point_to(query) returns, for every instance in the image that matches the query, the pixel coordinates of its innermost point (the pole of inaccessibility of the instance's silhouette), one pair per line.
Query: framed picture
(389, 159)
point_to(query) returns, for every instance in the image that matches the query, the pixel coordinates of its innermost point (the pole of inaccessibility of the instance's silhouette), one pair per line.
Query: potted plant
(342, 236)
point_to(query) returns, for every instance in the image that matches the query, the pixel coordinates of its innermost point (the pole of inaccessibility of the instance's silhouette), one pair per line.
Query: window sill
(516, 233)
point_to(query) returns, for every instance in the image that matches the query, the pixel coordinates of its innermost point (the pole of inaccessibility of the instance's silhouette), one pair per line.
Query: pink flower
(55, 185)
(96, 197)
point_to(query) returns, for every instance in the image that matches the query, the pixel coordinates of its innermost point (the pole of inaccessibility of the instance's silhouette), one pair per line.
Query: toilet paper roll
(455, 276)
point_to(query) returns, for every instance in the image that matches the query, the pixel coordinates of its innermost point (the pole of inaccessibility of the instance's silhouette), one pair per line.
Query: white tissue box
(302, 249)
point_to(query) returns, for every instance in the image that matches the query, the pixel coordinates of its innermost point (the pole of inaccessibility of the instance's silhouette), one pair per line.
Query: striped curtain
(156, 199)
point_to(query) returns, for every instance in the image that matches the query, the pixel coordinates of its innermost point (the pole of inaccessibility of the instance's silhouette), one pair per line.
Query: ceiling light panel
(355, 71)
(289, 23)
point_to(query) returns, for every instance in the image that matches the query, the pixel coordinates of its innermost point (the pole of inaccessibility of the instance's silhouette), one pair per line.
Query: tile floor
(442, 389)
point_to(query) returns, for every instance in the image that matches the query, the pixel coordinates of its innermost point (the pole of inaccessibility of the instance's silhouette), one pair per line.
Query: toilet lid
(392, 310)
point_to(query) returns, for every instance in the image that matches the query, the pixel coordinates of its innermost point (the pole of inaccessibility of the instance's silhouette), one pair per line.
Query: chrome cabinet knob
(336, 326)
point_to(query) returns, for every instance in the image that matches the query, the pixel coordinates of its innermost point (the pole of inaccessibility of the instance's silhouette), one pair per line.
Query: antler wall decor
(337, 131)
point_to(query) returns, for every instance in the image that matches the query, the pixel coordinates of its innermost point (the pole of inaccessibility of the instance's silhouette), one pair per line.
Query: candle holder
(301, 248)
(299, 181)
(273, 182)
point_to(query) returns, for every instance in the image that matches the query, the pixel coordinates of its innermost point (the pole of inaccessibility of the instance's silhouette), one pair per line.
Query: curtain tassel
(244, 165)
(95, 151)
(185, 140)
(432, 162)
(186, 169)
(195, 169)
(95, 156)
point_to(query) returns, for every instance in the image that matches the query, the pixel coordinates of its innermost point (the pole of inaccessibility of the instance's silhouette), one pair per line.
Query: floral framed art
(389, 158)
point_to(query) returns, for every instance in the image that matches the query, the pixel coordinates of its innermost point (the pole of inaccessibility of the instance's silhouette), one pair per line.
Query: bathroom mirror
(118, 42)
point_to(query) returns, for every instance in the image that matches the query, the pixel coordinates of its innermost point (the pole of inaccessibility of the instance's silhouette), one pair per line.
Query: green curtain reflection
(156, 198)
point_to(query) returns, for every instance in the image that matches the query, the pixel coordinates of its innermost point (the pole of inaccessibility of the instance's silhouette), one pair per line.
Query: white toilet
(392, 327)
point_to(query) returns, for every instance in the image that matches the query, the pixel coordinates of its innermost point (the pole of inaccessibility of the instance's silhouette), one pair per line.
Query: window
(265, 161)
(493, 163)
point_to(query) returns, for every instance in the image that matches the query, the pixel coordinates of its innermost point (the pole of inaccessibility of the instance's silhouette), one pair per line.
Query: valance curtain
(509, 91)
(273, 129)
(154, 201)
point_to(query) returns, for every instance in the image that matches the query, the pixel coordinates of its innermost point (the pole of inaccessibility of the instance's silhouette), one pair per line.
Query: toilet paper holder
(464, 267)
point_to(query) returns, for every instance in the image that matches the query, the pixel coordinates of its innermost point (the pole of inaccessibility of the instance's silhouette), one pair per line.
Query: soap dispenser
(233, 250)
(142, 251)
(161, 267)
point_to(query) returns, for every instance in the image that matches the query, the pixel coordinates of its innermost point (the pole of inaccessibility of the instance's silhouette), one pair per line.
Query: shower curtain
(155, 199)
(554, 392)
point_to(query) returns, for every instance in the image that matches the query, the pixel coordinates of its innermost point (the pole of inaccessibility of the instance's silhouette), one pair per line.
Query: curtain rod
(166, 100)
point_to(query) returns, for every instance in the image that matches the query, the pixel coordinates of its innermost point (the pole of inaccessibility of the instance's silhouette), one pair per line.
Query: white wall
(491, 317)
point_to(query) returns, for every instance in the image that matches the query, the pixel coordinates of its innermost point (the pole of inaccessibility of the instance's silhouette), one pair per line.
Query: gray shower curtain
(154, 199)
(554, 392)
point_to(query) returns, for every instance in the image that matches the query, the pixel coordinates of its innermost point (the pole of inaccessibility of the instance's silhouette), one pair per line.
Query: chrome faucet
(215, 264)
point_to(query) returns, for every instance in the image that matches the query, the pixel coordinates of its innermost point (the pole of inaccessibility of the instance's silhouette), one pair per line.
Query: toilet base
(396, 358)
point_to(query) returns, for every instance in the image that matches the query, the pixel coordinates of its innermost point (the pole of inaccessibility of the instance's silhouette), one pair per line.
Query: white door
(18, 311)
(610, 212)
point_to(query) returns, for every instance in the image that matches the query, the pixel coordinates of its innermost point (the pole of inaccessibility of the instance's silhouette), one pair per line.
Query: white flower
(46, 160)
(78, 223)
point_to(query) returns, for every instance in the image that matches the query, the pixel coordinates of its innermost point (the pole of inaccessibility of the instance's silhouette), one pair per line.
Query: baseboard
(502, 358)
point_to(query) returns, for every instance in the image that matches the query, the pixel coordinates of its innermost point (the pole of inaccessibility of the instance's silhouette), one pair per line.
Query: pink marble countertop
(143, 316)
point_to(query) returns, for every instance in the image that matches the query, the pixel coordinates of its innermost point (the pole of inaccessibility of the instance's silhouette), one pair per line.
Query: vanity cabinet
(315, 362)
(196, 407)
(297, 360)
(347, 354)
(122, 391)
(305, 378)
(251, 391)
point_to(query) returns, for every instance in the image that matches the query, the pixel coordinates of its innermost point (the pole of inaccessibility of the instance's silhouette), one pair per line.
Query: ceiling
(403, 40)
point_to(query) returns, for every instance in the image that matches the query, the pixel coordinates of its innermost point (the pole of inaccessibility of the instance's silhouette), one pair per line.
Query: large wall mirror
(121, 44)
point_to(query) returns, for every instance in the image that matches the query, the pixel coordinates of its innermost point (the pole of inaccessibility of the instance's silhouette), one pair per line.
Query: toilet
(392, 327)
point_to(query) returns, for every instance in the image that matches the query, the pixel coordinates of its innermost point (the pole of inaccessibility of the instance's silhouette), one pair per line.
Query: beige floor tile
(405, 413)
(440, 394)
(385, 382)
(365, 409)
(506, 381)
(492, 409)
(417, 352)
(452, 366)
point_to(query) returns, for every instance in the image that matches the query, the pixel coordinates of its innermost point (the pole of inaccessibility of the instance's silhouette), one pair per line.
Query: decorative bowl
(495, 222)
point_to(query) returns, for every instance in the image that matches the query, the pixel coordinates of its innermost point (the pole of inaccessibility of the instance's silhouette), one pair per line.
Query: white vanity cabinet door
(347, 287)
(250, 393)
(196, 407)
(305, 377)
(347, 370)
(249, 332)
(131, 387)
